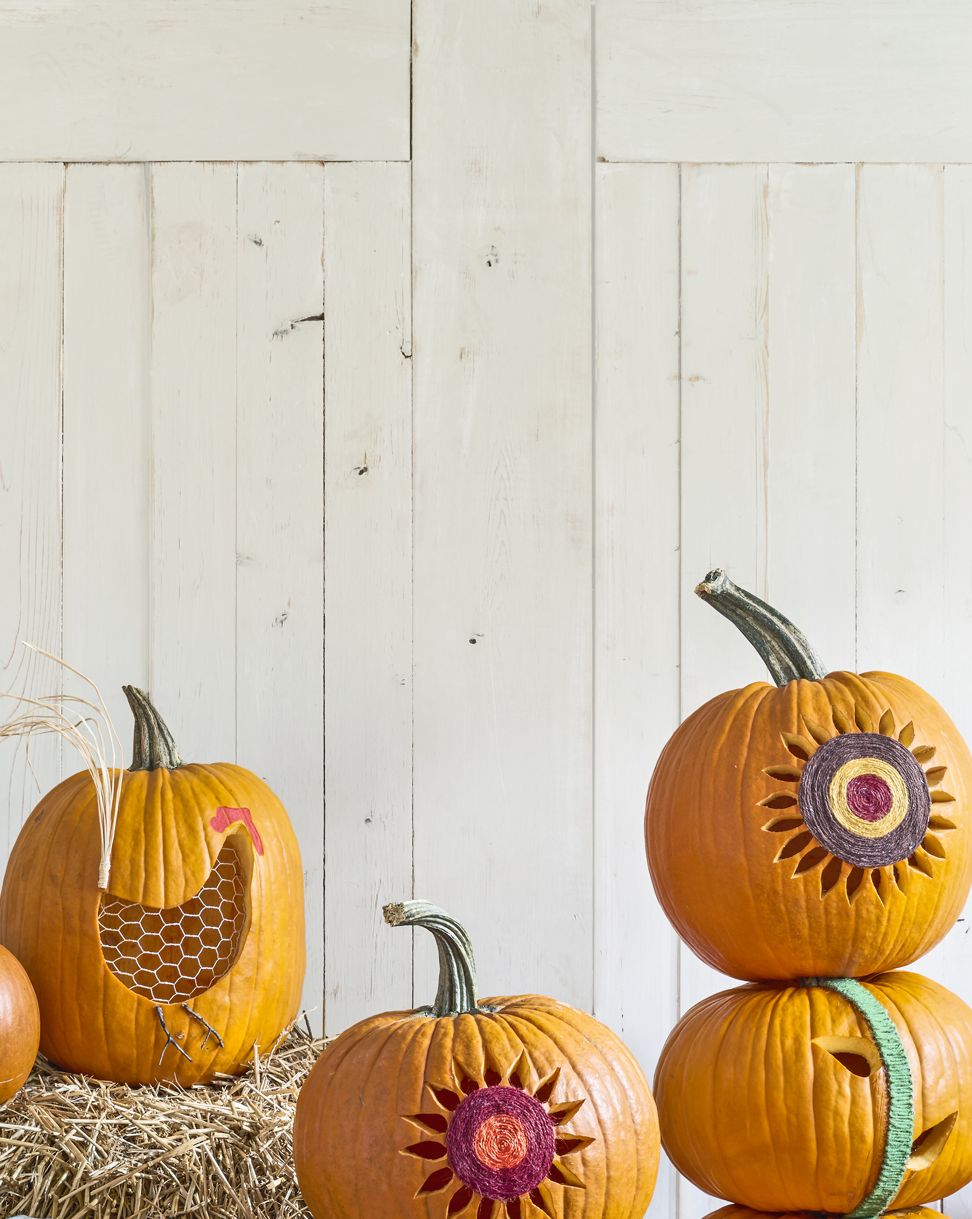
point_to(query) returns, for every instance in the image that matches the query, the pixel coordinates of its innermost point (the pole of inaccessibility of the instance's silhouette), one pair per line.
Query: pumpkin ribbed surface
(165, 849)
(499, 1108)
(786, 1078)
(780, 825)
(352, 1119)
(19, 1025)
(743, 1212)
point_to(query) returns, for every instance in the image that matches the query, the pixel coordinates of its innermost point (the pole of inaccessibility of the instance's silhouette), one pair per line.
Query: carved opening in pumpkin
(856, 1054)
(173, 954)
(930, 1144)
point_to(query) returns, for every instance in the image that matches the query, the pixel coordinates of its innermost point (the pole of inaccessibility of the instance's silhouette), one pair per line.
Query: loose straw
(86, 725)
(78, 1148)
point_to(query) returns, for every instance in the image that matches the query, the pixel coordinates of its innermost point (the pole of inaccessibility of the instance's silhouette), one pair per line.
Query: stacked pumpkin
(811, 838)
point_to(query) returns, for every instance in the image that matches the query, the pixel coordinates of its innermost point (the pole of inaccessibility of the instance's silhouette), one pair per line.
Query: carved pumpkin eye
(864, 797)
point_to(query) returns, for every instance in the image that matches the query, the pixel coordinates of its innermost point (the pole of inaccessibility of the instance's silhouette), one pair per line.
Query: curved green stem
(783, 647)
(153, 747)
(457, 964)
(901, 1094)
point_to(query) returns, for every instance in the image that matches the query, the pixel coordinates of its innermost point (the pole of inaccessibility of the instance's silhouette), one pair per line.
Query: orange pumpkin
(502, 1108)
(743, 1212)
(787, 1099)
(816, 827)
(196, 954)
(19, 1025)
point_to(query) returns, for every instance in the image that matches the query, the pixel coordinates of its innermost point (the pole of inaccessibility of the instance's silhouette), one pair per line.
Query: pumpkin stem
(153, 748)
(783, 647)
(457, 964)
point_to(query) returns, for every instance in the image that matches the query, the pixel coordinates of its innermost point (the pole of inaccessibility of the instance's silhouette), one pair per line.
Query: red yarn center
(501, 1141)
(869, 797)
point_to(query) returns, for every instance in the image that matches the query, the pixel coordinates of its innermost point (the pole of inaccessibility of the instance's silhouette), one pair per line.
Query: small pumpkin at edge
(816, 827)
(19, 1025)
(496, 1108)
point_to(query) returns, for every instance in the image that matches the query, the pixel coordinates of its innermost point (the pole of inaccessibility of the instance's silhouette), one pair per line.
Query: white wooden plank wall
(204, 80)
(368, 583)
(824, 408)
(486, 418)
(637, 593)
(502, 444)
(31, 219)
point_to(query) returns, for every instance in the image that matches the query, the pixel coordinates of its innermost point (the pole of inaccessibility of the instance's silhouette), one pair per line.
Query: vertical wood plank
(503, 515)
(107, 470)
(812, 441)
(192, 639)
(900, 421)
(953, 956)
(368, 586)
(724, 447)
(636, 607)
(31, 209)
(279, 511)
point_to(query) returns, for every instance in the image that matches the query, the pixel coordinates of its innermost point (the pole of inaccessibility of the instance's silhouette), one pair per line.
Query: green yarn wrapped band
(901, 1094)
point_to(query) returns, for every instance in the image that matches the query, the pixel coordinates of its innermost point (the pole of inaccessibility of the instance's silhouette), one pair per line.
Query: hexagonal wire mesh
(172, 954)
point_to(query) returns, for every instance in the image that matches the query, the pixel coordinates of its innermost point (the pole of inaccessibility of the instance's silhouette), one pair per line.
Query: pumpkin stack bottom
(830, 1096)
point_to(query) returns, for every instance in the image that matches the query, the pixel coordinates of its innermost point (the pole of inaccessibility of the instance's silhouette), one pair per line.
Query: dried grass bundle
(86, 726)
(73, 1147)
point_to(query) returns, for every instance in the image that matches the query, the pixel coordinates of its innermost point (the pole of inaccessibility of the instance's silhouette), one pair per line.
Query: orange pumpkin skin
(714, 865)
(164, 850)
(19, 1025)
(743, 1212)
(755, 1108)
(352, 1122)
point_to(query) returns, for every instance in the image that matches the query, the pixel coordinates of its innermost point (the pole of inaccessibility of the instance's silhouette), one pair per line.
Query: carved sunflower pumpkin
(833, 1096)
(507, 1108)
(818, 826)
(195, 954)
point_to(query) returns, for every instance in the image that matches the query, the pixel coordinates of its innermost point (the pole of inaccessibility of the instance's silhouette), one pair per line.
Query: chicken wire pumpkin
(195, 953)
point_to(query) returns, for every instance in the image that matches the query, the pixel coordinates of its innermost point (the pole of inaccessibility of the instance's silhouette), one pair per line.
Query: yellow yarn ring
(840, 806)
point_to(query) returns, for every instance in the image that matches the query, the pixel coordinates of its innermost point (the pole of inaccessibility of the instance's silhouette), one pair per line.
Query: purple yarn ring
(814, 798)
(501, 1184)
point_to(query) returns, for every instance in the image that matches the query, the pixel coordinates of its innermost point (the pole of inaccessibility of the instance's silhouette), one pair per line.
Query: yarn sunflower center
(501, 1142)
(869, 797)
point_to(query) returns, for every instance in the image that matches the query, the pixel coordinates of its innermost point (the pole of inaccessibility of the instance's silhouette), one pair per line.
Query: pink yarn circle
(495, 1125)
(869, 797)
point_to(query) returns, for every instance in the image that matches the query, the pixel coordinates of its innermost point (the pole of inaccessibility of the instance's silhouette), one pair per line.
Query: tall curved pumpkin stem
(783, 647)
(457, 964)
(153, 747)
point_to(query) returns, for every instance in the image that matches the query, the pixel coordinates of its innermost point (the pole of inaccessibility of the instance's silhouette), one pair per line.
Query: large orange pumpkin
(196, 954)
(816, 827)
(499, 1109)
(743, 1212)
(19, 1025)
(794, 1098)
